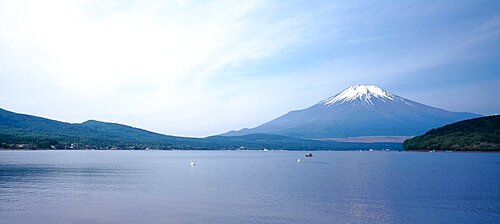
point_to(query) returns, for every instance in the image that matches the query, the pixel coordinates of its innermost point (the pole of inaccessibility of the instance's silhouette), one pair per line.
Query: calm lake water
(248, 187)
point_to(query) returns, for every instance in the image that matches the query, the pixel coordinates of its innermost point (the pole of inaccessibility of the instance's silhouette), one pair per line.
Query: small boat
(298, 160)
(309, 155)
(192, 163)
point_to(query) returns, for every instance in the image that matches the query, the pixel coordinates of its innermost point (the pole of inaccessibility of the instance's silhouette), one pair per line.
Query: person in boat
(309, 155)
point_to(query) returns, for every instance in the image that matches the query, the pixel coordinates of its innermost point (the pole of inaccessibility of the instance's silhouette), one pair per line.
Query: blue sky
(198, 68)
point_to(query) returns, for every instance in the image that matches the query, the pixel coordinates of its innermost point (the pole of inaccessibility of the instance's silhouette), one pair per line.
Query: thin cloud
(203, 68)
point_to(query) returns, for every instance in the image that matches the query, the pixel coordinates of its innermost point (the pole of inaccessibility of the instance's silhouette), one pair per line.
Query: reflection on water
(248, 187)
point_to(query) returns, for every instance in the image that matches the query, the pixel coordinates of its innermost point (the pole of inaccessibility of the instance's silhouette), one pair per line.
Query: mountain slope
(479, 134)
(360, 110)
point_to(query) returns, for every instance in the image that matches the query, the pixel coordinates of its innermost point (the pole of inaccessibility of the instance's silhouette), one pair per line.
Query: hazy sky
(205, 67)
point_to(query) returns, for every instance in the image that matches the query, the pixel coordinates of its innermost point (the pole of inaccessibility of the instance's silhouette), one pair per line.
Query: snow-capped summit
(361, 93)
(359, 110)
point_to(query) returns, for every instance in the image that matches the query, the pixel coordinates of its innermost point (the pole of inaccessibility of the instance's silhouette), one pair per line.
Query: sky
(201, 68)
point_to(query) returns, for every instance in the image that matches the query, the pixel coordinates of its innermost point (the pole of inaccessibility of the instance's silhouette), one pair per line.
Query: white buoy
(192, 163)
(298, 160)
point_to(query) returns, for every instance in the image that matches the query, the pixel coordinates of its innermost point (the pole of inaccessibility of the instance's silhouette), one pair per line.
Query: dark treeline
(480, 134)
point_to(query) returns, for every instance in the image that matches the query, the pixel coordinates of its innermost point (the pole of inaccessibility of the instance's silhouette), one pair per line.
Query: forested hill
(479, 134)
(26, 131)
(21, 131)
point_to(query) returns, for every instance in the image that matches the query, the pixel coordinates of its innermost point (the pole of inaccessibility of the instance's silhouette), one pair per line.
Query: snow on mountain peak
(363, 93)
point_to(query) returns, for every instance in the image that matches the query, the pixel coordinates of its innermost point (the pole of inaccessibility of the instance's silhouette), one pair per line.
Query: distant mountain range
(479, 134)
(21, 131)
(359, 111)
(348, 120)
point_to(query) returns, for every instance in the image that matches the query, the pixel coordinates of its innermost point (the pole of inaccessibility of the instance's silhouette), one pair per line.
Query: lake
(248, 187)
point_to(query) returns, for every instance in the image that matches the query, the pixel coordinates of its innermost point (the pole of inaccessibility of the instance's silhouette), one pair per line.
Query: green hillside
(479, 134)
(26, 131)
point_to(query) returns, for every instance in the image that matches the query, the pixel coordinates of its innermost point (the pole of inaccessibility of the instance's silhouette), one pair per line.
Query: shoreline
(259, 150)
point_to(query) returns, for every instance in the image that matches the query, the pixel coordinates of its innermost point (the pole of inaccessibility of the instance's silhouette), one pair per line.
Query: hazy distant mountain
(360, 110)
(479, 134)
(30, 132)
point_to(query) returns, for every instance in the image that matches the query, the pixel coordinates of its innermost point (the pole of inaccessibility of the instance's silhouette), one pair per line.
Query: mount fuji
(359, 111)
